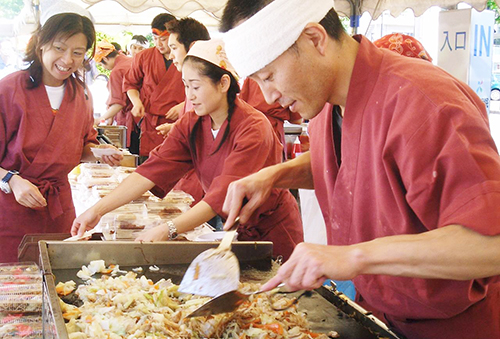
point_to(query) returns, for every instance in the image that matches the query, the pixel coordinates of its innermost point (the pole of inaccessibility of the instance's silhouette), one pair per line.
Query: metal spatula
(214, 271)
(230, 301)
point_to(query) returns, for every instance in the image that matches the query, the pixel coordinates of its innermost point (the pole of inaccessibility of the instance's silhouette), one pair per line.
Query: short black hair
(117, 46)
(140, 38)
(160, 20)
(240, 10)
(188, 30)
(60, 25)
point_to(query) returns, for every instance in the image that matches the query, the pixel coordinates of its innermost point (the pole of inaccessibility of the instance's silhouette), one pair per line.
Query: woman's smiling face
(62, 58)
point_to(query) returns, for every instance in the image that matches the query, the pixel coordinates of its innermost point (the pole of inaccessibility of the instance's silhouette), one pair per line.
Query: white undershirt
(215, 132)
(56, 95)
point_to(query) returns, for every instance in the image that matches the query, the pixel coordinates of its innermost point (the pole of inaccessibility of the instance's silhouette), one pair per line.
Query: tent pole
(36, 11)
(355, 15)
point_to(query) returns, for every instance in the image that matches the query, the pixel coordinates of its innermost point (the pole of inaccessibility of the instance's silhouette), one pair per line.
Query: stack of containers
(20, 301)
(127, 221)
(91, 182)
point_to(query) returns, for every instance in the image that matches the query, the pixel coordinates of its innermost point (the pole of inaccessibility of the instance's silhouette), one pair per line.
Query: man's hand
(158, 233)
(27, 194)
(138, 110)
(164, 129)
(311, 264)
(254, 190)
(175, 112)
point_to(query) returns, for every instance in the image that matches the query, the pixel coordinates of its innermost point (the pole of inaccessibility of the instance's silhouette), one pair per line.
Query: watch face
(5, 187)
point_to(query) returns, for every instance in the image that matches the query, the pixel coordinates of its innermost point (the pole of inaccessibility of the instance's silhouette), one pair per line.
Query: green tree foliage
(100, 36)
(9, 9)
(492, 5)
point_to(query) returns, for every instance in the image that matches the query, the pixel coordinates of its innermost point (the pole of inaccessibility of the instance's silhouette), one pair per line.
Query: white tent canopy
(396, 7)
(136, 13)
(183, 8)
(121, 14)
(179, 8)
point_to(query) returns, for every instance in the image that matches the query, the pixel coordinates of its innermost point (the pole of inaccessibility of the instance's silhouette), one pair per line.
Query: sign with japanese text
(466, 48)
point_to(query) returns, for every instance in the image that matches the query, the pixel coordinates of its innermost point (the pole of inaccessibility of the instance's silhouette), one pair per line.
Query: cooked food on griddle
(129, 306)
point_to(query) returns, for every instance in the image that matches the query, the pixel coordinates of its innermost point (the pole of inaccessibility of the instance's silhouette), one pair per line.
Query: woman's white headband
(265, 36)
(59, 7)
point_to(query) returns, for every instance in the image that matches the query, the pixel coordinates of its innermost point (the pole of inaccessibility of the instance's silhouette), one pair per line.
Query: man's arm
(450, 252)
(175, 112)
(138, 109)
(257, 187)
(110, 113)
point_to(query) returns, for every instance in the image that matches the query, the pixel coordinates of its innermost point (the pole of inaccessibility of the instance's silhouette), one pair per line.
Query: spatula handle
(225, 243)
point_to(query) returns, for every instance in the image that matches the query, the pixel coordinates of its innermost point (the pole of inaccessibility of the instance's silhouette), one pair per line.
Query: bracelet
(172, 230)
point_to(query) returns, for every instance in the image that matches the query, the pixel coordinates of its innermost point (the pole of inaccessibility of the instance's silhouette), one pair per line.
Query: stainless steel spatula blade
(214, 271)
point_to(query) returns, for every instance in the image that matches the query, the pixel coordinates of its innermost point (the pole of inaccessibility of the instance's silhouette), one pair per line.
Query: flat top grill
(326, 309)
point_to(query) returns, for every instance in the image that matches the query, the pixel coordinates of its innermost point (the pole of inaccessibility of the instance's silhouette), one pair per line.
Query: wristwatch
(172, 230)
(4, 184)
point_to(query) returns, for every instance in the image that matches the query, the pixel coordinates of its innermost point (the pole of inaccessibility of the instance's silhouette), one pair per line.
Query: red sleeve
(133, 78)
(91, 135)
(247, 156)
(4, 136)
(457, 179)
(169, 161)
(115, 85)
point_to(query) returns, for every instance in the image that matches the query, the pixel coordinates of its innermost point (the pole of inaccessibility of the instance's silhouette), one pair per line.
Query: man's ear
(317, 35)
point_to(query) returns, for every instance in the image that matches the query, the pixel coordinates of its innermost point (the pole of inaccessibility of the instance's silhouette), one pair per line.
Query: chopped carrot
(312, 334)
(275, 327)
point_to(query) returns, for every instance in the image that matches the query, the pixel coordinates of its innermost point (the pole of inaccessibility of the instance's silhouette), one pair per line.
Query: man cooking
(402, 162)
(153, 86)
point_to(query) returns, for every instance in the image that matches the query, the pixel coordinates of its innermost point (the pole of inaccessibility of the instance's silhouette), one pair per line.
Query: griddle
(327, 309)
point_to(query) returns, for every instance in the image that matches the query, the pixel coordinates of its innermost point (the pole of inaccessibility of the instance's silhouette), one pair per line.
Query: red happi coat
(190, 182)
(160, 89)
(252, 94)
(44, 148)
(417, 155)
(118, 96)
(250, 146)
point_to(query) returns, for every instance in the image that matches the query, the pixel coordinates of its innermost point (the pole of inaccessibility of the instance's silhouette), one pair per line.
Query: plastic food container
(20, 291)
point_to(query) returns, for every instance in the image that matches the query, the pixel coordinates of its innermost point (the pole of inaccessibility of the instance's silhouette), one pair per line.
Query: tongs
(230, 301)
(214, 271)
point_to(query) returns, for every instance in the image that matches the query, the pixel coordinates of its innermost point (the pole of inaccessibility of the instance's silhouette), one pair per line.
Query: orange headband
(157, 32)
(103, 49)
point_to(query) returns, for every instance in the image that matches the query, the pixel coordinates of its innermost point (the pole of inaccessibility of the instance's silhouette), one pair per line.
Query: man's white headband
(265, 36)
(137, 42)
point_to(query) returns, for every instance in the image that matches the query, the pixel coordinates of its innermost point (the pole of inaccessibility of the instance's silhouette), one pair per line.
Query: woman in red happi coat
(223, 139)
